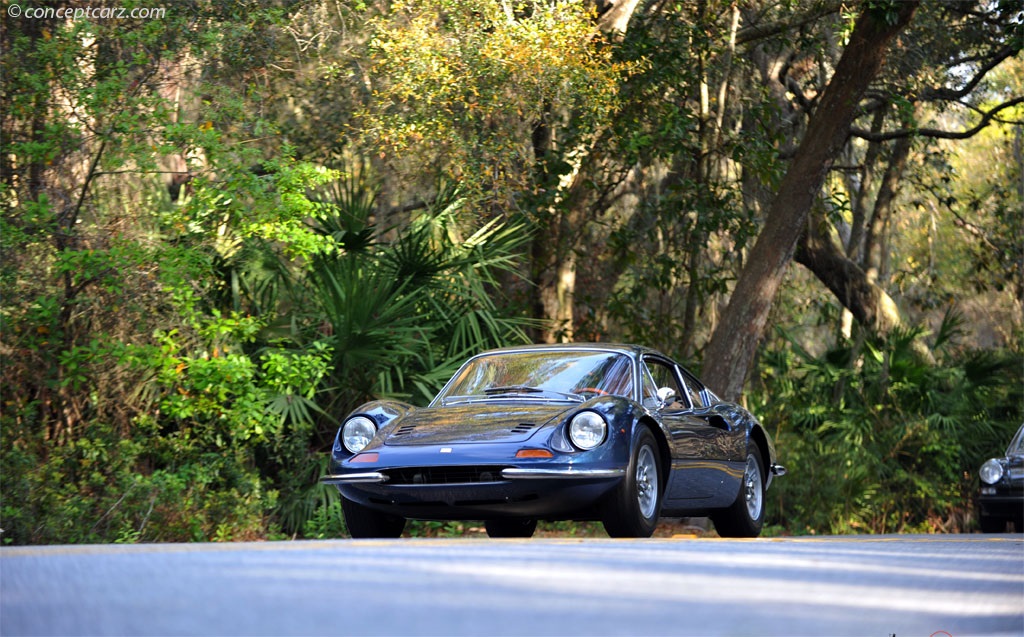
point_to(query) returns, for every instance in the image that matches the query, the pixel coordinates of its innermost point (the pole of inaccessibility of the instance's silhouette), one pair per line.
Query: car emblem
(446, 449)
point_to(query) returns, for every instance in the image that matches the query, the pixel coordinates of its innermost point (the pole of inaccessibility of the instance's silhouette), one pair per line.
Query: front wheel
(992, 525)
(364, 522)
(510, 527)
(632, 508)
(745, 517)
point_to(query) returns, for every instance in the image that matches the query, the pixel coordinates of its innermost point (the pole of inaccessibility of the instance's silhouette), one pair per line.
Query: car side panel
(707, 464)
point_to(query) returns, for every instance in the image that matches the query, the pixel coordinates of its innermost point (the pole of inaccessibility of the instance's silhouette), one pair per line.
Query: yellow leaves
(460, 84)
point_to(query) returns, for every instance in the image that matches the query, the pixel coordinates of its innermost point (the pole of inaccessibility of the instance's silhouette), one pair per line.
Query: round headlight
(991, 472)
(357, 432)
(587, 430)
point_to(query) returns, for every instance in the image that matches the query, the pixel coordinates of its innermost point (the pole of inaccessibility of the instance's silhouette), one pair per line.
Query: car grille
(443, 475)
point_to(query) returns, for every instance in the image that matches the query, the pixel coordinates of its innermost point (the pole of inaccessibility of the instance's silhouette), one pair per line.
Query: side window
(661, 375)
(648, 390)
(693, 393)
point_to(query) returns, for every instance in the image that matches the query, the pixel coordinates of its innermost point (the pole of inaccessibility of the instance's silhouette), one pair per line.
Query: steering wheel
(591, 390)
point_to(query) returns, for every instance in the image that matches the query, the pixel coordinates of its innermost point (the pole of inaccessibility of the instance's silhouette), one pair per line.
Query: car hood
(474, 423)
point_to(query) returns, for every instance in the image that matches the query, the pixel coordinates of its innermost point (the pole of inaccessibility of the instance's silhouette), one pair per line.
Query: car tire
(745, 517)
(989, 524)
(364, 522)
(510, 527)
(632, 509)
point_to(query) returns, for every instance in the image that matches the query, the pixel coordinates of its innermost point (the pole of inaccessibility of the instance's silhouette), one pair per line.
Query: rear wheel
(746, 515)
(632, 508)
(510, 527)
(364, 522)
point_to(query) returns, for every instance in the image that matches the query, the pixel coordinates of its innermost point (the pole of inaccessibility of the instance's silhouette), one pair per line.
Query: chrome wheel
(633, 507)
(646, 482)
(745, 516)
(753, 490)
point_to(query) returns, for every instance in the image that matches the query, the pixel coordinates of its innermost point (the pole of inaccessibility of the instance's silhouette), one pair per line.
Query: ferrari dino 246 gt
(616, 433)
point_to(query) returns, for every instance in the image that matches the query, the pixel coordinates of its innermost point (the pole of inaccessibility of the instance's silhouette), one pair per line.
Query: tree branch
(986, 119)
(761, 31)
(944, 93)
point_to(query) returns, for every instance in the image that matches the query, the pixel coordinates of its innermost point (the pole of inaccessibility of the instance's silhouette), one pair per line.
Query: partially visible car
(1001, 499)
(616, 433)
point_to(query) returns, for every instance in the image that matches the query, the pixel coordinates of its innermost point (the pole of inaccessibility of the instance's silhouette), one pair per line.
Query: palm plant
(883, 440)
(399, 314)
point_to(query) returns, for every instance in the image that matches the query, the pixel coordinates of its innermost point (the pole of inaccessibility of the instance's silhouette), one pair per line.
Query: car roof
(622, 348)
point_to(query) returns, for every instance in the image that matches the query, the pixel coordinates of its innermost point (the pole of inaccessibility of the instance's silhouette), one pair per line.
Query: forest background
(225, 224)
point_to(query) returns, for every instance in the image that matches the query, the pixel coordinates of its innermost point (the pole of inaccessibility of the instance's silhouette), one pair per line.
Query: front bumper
(1002, 506)
(549, 493)
(510, 473)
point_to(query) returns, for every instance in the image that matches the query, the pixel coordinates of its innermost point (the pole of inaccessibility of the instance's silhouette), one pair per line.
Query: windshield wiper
(514, 389)
(526, 389)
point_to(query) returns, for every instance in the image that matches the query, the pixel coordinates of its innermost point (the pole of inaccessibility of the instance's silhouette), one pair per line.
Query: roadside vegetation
(224, 228)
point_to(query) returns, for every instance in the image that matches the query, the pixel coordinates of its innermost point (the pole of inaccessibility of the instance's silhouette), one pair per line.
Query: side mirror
(666, 395)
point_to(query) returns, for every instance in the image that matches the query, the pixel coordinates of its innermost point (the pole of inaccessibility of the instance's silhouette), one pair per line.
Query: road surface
(865, 586)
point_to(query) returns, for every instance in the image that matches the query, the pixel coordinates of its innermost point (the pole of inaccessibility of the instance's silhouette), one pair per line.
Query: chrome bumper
(512, 473)
(540, 474)
(354, 478)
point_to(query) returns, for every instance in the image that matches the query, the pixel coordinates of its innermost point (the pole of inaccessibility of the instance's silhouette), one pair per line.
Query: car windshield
(564, 375)
(1017, 444)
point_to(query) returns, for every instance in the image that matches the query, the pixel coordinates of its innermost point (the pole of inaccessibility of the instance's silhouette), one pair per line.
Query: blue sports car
(617, 433)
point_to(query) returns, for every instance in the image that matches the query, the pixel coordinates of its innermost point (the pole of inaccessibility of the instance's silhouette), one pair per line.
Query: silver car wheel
(646, 482)
(753, 489)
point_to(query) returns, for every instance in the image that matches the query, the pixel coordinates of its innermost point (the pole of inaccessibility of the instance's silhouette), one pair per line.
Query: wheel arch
(760, 439)
(664, 452)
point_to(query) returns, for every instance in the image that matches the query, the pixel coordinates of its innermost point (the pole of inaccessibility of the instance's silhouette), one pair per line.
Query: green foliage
(401, 315)
(188, 303)
(877, 440)
(104, 486)
(460, 85)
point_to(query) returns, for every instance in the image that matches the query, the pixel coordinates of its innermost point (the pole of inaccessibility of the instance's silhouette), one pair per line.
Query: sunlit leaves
(462, 84)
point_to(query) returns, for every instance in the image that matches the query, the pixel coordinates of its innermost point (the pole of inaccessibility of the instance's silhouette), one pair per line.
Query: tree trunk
(553, 257)
(875, 244)
(729, 354)
(870, 305)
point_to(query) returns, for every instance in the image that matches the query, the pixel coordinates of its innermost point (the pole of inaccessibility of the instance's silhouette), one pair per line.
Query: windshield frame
(1016, 446)
(524, 391)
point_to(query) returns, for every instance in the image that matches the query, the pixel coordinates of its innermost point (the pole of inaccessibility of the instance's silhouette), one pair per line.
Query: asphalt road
(865, 586)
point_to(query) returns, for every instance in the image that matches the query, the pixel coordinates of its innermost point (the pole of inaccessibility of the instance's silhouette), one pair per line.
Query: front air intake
(444, 475)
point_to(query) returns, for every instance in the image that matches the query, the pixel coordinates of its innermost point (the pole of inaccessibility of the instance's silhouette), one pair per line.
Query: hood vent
(404, 430)
(523, 428)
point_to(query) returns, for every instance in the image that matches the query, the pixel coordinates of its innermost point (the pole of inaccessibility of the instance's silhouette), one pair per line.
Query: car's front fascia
(1001, 495)
(542, 474)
